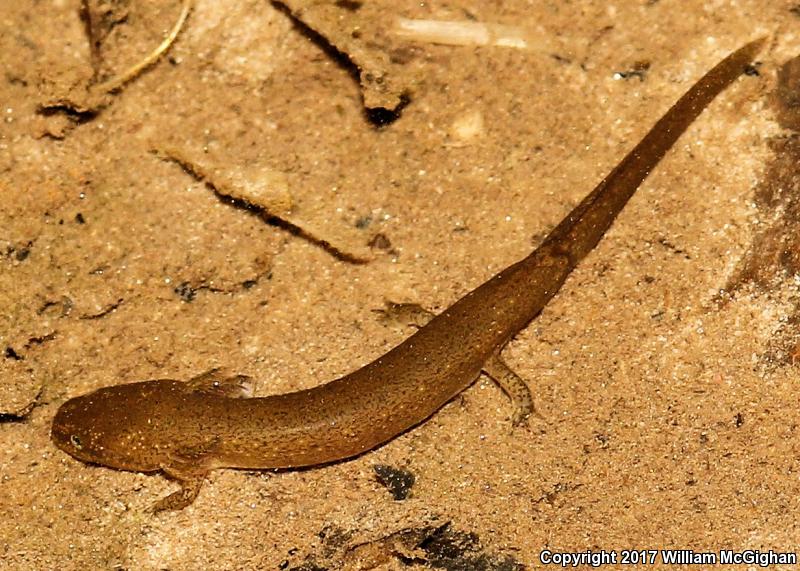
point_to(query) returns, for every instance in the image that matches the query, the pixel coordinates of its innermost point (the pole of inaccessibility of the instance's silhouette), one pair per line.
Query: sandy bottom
(665, 370)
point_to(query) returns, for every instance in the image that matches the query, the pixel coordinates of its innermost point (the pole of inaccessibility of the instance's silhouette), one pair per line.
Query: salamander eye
(76, 442)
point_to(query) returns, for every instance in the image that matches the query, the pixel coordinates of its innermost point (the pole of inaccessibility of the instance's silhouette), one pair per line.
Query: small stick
(116, 82)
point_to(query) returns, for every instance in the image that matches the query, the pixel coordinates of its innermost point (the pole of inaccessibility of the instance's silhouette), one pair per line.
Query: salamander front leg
(189, 467)
(405, 314)
(185, 496)
(513, 385)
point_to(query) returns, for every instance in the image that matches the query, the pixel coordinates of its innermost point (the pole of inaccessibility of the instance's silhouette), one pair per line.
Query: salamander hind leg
(513, 385)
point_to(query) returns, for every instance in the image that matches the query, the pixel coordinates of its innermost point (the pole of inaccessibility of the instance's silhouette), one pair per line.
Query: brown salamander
(186, 429)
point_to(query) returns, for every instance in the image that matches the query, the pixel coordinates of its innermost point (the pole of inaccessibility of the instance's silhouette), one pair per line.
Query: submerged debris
(266, 192)
(462, 33)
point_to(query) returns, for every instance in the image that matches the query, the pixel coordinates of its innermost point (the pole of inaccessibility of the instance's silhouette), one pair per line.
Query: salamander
(186, 429)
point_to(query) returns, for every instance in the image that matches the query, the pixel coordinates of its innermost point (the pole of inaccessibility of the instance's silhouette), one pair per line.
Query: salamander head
(120, 426)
